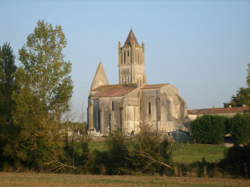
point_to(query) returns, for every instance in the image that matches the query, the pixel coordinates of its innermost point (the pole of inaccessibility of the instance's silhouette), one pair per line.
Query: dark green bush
(240, 128)
(237, 161)
(208, 129)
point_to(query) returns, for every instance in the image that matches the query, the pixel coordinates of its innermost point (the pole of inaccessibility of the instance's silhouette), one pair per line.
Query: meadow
(68, 180)
(184, 153)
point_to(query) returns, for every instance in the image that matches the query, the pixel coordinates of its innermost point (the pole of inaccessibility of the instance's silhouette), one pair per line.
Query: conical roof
(131, 38)
(100, 78)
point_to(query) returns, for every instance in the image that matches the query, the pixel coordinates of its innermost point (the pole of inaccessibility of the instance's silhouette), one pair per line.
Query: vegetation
(66, 180)
(237, 161)
(208, 129)
(240, 129)
(242, 97)
(37, 93)
(189, 153)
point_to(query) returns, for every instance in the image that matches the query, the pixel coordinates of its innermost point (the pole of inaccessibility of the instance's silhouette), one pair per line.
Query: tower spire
(131, 62)
(131, 39)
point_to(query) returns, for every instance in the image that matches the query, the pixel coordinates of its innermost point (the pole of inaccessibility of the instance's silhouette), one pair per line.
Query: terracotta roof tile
(218, 110)
(153, 86)
(112, 90)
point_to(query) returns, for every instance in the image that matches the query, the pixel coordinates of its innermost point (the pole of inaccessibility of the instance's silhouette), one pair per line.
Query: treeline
(212, 129)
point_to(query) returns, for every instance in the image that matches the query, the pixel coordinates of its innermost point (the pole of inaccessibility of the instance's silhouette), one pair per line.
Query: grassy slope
(187, 153)
(66, 180)
(184, 153)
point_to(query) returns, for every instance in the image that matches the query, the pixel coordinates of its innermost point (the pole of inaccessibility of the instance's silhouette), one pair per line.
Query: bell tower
(131, 62)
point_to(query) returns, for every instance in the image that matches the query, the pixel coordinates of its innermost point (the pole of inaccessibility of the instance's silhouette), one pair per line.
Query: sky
(200, 46)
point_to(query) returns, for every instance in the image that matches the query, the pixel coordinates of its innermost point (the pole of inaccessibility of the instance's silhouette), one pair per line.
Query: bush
(241, 128)
(208, 129)
(237, 161)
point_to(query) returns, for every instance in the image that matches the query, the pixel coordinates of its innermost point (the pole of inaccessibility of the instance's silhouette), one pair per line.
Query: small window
(128, 53)
(124, 56)
(149, 108)
(112, 106)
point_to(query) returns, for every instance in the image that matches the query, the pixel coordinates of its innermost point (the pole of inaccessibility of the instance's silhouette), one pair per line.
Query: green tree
(44, 90)
(242, 96)
(208, 129)
(7, 82)
(248, 76)
(151, 153)
(7, 86)
(241, 128)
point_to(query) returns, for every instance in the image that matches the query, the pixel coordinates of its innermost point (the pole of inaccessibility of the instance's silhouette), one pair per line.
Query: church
(133, 103)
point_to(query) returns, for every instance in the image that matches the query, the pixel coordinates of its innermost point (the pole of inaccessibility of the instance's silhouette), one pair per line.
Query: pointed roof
(131, 38)
(100, 78)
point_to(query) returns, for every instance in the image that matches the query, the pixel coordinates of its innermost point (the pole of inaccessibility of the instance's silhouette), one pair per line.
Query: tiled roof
(153, 86)
(218, 110)
(112, 90)
(131, 38)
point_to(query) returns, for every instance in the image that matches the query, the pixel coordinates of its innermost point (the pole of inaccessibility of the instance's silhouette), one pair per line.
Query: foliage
(248, 76)
(241, 128)
(44, 89)
(208, 129)
(115, 160)
(7, 83)
(7, 87)
(237, 161)
(242, 96)
(151, 153)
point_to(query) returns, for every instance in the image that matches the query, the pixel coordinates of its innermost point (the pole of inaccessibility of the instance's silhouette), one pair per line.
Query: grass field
(66, 180)
(187, 153)
(184, 153)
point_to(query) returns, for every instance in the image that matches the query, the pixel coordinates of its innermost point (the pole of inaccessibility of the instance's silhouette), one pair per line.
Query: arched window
(124, 56)
(112, 106)
(149, 108)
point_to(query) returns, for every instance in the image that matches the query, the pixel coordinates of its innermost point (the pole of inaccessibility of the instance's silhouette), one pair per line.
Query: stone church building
(133, 102)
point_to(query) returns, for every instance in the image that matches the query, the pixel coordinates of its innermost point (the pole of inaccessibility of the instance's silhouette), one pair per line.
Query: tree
(248, 76)
(7, 82)
(7, 86)
(208, 129)
(44, 90)
(151, 153)
(241, 129)
(242, 96)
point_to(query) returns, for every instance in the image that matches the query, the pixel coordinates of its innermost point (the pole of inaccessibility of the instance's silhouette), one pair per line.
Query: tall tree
(7, 82)
(44, 90)
(7, 86)
(248, 76)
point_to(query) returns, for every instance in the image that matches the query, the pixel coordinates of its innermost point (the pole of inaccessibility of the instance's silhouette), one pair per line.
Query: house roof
(153, 86)
(114, 90)
(131, 38)
(218, 110)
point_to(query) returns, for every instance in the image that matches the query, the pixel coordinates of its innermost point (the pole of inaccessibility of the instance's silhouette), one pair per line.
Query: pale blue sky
(200, 46)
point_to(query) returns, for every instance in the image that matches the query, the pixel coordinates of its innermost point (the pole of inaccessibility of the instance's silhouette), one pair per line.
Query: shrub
(241, 128)
(237, 161)
(208, 129)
